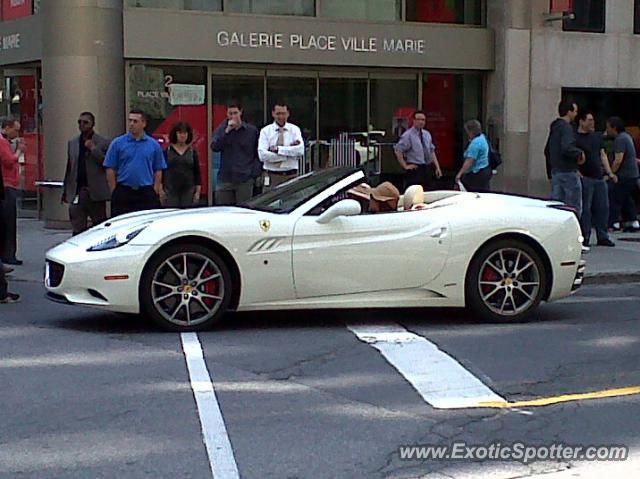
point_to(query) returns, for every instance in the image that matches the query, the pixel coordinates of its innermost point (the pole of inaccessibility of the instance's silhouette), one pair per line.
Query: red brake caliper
(489, 274)
(210, 287)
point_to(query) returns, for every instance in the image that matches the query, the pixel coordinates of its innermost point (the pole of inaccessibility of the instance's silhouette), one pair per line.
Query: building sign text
(300, 41)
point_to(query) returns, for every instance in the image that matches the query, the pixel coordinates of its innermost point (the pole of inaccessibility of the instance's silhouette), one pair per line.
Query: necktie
(425, 152)
(280, 136)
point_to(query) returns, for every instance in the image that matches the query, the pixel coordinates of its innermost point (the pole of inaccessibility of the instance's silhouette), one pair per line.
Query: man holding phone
(10, 163)
(237, 143)
(85, 182)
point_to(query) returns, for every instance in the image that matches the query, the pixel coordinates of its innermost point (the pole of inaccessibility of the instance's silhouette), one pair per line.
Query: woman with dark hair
(182, 182)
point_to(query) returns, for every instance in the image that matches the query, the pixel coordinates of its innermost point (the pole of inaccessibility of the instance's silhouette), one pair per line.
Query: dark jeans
(621, 200)
(9, 225)
(86, 208)
(595, 208)
(3, 283)
(125, 199)
(423, 175)
(566, 187)
(478, 182)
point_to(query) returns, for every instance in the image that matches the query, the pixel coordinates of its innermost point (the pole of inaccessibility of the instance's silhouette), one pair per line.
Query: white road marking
(441, 380)
(221, 459)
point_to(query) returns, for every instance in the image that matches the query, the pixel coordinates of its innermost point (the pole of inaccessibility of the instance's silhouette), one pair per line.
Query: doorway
(20, 99)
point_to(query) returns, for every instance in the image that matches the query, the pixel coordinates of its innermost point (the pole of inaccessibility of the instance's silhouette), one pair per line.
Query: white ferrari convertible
(307, 244)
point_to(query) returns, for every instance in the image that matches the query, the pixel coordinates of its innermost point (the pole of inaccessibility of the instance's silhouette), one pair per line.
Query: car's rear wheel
(506, 281)
(186, 288)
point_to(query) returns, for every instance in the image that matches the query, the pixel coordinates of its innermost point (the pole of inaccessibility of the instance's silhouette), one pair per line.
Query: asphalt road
(87, 394)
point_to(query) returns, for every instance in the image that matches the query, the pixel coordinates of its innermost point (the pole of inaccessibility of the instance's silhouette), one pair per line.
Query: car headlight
(118, 239)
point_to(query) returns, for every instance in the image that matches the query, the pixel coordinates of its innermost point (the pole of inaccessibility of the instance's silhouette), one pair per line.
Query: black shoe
(606, 242)
(630, 229)
(10, 298)
(15, 262)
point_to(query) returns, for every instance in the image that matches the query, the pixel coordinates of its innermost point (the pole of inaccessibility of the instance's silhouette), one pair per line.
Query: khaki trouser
(276, 179)
(234, 193)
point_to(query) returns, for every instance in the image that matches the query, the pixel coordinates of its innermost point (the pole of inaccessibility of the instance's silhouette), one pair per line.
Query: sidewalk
(604, 265)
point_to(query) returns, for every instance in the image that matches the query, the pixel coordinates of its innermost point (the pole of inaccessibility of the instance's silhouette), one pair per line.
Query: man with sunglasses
(85, 182)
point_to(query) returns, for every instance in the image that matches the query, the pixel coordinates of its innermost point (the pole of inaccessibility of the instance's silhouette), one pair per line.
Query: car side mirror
(341, 208)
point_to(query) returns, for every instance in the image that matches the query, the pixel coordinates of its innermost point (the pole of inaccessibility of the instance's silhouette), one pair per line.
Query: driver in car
(384, 198)
(362, 194)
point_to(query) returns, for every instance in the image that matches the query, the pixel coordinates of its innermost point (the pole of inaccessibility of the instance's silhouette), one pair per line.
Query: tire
(506, 281)
(194, 302)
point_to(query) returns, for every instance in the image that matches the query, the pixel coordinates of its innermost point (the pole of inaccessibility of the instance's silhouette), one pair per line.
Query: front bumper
(76, 276)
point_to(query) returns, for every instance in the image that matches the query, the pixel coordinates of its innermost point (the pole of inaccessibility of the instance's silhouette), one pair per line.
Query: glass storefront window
(393, 102)
(347, 118)
(467, 12)
(300, 95)
(21, 100)
(589, 17)
(272, 7)
(248, 90)
(204, 5)
(343, 106)
(362, 9)
(169, 94)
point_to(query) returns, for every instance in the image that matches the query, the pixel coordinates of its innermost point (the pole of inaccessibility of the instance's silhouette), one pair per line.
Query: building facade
(355, 68)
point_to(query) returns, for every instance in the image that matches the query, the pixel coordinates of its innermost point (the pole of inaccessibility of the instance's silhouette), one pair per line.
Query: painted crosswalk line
(214, 431)
(441, 380)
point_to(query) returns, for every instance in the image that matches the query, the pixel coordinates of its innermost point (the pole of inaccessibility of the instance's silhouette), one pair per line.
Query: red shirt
(10, 167)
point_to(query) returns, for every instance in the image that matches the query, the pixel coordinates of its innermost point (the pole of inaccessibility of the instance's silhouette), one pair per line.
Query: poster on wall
(12, 9)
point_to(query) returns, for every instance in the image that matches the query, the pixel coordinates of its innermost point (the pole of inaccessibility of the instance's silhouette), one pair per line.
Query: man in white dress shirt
(280, 148)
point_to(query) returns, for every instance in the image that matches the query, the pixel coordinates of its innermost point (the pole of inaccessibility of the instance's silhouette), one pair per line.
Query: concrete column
(82, 70)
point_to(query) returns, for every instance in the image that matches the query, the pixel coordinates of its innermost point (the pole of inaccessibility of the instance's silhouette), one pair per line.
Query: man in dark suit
(85, 181)
(5, 296)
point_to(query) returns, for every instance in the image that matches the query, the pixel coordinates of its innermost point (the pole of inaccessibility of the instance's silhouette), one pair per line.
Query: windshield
(286, 197)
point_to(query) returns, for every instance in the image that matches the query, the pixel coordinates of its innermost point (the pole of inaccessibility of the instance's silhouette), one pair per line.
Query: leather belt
(282, 173)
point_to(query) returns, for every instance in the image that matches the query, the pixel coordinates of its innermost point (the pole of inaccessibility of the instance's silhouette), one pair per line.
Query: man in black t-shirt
(595, 199)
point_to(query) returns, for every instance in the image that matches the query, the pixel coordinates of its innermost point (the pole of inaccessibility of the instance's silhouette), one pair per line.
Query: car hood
(131, 221)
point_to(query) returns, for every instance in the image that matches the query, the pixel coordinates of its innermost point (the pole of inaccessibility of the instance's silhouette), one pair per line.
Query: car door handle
(439, 233)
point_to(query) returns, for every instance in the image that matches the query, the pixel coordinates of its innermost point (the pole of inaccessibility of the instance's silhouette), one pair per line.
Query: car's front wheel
(185, 288)
(506, 281)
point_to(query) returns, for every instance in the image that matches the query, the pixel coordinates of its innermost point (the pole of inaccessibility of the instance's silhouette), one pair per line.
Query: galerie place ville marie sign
(301, 41)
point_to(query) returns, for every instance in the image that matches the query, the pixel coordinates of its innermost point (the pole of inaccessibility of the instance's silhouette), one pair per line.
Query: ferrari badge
(265, 225)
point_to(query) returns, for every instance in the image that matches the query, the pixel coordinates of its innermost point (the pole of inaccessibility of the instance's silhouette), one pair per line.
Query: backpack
(495, 158)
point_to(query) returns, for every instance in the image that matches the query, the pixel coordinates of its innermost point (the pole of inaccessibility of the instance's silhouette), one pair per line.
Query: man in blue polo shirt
(134, 164)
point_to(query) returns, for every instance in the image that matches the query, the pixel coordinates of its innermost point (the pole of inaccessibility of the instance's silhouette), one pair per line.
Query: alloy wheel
(187, 289)
(509, 281)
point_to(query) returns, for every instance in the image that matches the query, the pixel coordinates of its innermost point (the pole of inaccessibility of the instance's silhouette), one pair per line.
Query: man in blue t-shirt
(134, 164)
(475, 173)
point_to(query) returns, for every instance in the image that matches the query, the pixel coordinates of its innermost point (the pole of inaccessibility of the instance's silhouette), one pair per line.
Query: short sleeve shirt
(591, 143)
(478, 149)
(417, 150)
(135, 161)
(624, 144)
